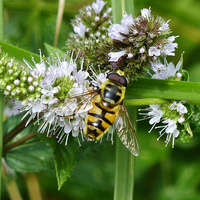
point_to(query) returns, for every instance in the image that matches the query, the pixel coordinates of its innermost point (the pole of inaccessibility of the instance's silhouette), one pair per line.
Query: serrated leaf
(53, 50)
(64, 157)
(32, 157)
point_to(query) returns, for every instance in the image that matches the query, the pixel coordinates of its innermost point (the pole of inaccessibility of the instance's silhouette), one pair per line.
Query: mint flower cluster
(50, 94)
(59, 80)
(173, 117)
(90, 37)
(140, 41)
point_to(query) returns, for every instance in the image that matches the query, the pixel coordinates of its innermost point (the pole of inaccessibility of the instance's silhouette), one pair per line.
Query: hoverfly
(105, 106)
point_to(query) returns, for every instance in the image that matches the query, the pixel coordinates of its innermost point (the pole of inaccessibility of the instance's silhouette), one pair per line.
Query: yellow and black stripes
(105, 106)
(99, 120)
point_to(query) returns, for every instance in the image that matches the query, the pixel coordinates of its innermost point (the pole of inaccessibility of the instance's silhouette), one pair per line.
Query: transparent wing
(126, 131)
(79, 103)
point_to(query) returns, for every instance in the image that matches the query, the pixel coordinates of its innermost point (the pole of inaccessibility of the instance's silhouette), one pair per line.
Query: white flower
(48, 98)
(168, 48)
(115, 31)
(12, 108)
(39, 69)
(98, 6)
(146, 13)
(171, 130)
(181, 108)
(127, 20)
(157, 66)
(38, 106)
(48, 108)
(164, 27)
(155, 115)
(114, 56)
(99, 79)
(165, 114)
(80, 76)
(154, 51)
(166, 70)
(80, 29)
(66, 68)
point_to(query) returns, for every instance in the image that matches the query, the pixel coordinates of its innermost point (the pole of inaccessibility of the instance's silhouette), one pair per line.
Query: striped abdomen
(106, 106)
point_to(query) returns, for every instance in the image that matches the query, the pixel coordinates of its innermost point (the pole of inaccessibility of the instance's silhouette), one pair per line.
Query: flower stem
(18, 142)
(124, 172)
(141, 102)
(9, 136)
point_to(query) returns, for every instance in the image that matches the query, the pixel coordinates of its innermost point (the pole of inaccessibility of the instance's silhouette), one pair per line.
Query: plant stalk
(20, 127)
(18, 142)
(124, 172)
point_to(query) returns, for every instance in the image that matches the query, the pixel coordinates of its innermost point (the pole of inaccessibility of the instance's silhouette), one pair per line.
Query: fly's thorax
(112, 93)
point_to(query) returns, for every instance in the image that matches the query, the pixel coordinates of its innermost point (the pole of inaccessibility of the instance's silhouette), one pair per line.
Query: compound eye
(123, 81)
(113, 76)
(116, 77)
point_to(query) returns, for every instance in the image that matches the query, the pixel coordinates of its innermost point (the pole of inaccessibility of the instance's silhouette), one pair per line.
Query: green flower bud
(23, 91)
(22, 85)
(37, 95)
(2, 84)
(31, 97)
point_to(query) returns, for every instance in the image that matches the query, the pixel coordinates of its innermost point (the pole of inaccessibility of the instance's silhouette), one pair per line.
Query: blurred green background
(161, 172)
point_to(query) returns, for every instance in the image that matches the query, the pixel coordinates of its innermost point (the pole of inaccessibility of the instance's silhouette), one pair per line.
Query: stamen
(152, 127)
(28, 64)
(30, 118)
(79, 144)
(66, 139)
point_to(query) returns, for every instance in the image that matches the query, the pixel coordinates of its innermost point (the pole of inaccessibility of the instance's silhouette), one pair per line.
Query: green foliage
(161, 172)
(32, 157)
(64, 158)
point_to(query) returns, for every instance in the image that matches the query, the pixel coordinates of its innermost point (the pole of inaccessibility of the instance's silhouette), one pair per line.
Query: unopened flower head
(146, 38)
(15, 78)
(171, 115)
(90, 37)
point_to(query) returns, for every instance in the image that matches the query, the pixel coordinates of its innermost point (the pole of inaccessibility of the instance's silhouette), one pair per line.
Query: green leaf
(18, 53)
(33, 157)
(119, 7)
(64, 157)
(164, 89)
(53, 50)
(124, 174)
